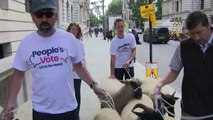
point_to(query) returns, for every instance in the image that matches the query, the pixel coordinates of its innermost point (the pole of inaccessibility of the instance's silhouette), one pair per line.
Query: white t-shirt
(83, 61)
(122, 49)
(50, 59)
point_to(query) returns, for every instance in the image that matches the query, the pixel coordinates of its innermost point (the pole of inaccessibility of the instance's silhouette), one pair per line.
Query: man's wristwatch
(92, 84)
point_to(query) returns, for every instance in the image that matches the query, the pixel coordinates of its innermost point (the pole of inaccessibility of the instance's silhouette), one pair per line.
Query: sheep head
(122, 91)
(147, 113)
(135, 84)
(169, 102)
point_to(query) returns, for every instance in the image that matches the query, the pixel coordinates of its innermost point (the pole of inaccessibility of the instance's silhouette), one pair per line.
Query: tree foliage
(135, 7)
(115, 8)
(159, 11)
(94, 21)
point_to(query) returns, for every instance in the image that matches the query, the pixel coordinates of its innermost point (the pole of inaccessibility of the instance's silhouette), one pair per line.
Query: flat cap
(37, 5)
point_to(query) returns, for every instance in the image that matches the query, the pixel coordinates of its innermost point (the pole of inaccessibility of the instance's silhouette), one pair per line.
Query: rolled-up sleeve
(176, 62)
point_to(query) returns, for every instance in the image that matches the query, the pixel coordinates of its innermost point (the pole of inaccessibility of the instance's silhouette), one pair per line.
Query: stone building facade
(126, 14)
(177, 10)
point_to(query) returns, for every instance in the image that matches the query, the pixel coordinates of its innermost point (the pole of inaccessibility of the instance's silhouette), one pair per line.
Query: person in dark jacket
(136, 37)
(195, 55)
(96, 31)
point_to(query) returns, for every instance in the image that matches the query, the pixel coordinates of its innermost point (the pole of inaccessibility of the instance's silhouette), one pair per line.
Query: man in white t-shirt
(123, 51)
(50, 54)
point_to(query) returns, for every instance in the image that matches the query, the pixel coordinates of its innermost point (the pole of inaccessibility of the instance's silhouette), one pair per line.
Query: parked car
(159, 35)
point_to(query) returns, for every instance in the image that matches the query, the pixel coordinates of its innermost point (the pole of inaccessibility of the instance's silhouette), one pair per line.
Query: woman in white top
(75, 29)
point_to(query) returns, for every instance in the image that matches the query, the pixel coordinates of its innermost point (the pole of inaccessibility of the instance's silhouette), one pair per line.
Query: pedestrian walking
(51, 55)
(96, 30)
(122, 51)
(90, 32)
(195, 55)
(75, 29)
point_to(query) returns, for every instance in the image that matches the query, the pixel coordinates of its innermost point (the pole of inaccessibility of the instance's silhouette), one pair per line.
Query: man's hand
(8, 112)
(158, 86)
(126, 65)
(101, 93)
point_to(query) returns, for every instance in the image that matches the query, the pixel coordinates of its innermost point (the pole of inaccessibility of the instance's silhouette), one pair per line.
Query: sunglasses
(48, 14)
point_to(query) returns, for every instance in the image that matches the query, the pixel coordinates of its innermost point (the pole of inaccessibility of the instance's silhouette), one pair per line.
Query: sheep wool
(168, 118)
(1, 109)
(148, 87)
(121, 93)
(127, 113)
(107, 114)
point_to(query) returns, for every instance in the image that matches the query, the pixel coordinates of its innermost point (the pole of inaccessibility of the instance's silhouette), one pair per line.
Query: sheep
(107, 114)
(127, 114)
(149, 113)
(121, 92)
(148, 86)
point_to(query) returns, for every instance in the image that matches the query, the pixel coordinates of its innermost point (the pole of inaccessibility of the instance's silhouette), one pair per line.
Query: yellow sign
(153, 19)
(148, 11)
(152, 70)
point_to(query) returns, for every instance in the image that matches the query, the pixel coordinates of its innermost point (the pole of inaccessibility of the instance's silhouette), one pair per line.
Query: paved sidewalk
(98, 58)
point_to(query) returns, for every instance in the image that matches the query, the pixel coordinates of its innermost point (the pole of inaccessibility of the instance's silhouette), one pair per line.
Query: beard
(45, 27)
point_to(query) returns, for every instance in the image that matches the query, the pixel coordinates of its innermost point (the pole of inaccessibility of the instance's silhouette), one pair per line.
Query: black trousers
(123, 74)
(71, 115)
(77, 85)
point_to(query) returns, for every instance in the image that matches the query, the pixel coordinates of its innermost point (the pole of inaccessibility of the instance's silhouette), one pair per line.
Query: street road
(162, 54)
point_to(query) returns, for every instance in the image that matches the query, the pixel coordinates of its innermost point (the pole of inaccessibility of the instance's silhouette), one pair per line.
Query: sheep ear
(173, 94)
(122, 81)
(176, 98)
(138, 80)
(141, 106)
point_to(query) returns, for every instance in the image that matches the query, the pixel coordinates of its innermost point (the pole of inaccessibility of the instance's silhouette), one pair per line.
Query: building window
(27, 5)
(202, 4)
(177, 6)
(5, 50)
(4, 4)
(1, 51)
(180, 19)
(3, 90)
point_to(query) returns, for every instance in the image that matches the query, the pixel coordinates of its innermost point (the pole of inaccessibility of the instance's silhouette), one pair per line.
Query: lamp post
(150, 33)
(104, 25)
